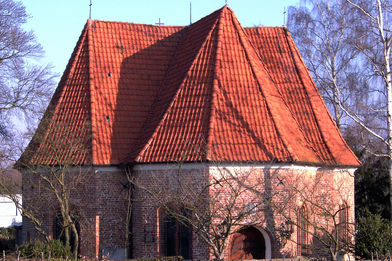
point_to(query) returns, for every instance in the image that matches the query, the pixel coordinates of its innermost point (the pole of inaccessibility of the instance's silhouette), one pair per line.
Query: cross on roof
(159, 22)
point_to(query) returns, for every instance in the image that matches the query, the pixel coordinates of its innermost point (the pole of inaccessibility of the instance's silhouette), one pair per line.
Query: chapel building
(143, 109)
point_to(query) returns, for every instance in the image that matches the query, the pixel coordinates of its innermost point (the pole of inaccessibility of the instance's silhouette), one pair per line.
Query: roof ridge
(280, 93)
(233, 19)
(211, 91)
(288, 107)
(237, 31)
(90, 30)
(215, 83)
(144, 24)
(265, 27)
(301, 78)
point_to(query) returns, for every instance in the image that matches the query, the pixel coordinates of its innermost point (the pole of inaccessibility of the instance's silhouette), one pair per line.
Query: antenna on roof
(284, 16)
(89, 17)
(190, 12)
(225, 2)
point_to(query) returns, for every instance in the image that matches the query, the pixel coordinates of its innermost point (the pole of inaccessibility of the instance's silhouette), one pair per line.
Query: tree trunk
(76, 240)
(336, 98)
(390, 189)
(65, 225)
(66, 236)
(219, 256)
(334, 256)
(389, 111)
(128, 227)
(390, 145)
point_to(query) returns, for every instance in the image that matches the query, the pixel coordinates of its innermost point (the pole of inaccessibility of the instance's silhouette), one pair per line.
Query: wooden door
(248, 243)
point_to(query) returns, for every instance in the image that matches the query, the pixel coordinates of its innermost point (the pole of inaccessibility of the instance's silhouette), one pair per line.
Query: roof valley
(192, 43)
(143, 146)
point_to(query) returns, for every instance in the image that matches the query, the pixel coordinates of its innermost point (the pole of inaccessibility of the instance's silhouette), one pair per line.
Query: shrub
(55, 247)
(7, 238)
(7, 233)
(373, 235)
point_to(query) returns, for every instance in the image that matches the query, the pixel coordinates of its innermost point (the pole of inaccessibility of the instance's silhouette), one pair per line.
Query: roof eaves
(277, 163)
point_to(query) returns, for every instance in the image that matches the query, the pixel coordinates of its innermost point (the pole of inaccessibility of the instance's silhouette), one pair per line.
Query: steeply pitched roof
(212, 91)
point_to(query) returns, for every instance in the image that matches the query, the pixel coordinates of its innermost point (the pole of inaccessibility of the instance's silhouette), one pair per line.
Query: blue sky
(58, 23)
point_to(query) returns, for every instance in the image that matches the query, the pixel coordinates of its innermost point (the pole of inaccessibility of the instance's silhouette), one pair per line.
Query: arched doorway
(250, 243)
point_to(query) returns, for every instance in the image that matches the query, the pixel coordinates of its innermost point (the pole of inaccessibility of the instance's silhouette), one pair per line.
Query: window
(302, 234)
(177, 238)
(343, 225)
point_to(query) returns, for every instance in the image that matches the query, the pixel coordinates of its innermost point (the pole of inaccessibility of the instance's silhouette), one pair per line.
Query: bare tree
(25, 88)
(354, 40)
(12, 191)
(25, 85)
(373, 38)
(320, 31)
(219, 202)
(52, 180)
(320, 207)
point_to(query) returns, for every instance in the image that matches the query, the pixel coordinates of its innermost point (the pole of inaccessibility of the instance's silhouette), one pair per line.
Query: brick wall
(282, 185)
(147, 215)
(101, 200)
(98, 197)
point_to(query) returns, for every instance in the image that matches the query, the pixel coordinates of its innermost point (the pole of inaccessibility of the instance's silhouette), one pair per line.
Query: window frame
(164, 220)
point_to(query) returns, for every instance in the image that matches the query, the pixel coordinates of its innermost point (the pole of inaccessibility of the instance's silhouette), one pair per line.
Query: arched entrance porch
(250, 243)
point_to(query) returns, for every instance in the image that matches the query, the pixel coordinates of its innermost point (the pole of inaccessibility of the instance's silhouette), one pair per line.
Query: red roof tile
(212, 91)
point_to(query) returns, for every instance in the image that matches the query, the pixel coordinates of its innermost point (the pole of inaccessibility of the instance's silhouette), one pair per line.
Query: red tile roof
(212, 91)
